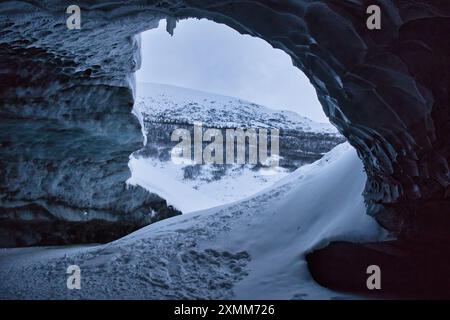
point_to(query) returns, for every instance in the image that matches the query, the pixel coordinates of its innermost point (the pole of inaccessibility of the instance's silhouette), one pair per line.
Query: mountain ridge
(205, 107)
(192, 186)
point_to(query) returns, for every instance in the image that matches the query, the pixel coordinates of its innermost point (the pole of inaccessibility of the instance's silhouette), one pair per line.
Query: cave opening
(202, 84)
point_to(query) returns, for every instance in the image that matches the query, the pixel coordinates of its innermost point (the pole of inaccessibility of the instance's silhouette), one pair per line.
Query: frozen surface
(251, 249)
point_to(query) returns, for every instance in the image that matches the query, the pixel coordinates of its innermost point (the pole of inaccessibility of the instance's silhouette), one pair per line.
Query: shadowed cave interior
(67, 129)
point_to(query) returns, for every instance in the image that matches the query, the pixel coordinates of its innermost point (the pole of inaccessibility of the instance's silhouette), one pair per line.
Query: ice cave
(67, 131)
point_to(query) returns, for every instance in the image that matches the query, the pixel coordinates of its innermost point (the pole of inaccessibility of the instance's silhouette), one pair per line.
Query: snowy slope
(166, 180)
(250, 249)
(189, 188)
(168, 103)
(157, 179)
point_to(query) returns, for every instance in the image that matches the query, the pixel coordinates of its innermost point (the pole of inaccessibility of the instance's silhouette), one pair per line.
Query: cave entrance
(201, 80)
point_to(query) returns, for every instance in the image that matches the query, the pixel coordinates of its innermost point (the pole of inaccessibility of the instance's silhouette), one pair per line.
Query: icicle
(171, 24)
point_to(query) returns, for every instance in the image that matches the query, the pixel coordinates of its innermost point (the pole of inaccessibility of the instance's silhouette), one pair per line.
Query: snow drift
(251, 249)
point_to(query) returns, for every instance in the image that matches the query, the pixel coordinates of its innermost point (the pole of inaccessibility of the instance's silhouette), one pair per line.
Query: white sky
(212, 57)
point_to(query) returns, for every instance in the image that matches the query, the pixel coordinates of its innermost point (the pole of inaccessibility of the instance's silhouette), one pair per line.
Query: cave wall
(67, 130)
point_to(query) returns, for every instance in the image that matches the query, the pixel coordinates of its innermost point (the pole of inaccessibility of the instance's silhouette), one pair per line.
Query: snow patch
(182, 197)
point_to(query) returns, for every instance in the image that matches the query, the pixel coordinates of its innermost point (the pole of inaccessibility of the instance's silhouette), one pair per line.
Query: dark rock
(408, 270)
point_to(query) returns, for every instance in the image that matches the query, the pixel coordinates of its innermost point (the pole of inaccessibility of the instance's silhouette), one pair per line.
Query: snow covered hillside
(251, 249)
(191, 187)
(170, 104)
(168, 181)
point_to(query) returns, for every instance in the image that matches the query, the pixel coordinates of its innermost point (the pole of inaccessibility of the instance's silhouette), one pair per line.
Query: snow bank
(321, 202)
(177, 194)
(252, 249)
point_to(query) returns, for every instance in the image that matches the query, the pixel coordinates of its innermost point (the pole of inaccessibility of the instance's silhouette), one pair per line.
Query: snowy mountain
(190, 187)
(170, 104)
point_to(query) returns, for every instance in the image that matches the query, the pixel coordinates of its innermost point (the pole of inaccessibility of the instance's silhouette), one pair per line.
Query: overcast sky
(212, 57)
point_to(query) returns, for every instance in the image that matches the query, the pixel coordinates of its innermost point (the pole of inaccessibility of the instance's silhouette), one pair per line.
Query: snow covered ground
(160, 102)
(251, 249)
(166, 180)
